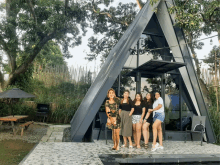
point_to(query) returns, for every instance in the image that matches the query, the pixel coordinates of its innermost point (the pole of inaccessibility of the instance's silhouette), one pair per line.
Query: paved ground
(54, 152)
(54, 133)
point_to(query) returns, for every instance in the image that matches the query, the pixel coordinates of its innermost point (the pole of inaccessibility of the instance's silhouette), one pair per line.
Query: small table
(12, 119)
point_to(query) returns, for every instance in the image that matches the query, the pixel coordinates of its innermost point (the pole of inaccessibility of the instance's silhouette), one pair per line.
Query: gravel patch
(33, 134)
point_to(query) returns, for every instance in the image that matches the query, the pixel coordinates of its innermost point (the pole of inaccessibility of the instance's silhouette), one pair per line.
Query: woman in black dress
(126, 119)
(148, 120)
(112, 111)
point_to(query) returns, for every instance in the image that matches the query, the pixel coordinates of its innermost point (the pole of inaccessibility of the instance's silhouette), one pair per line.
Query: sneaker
(130, 146)
(158, 146)
(153, 149)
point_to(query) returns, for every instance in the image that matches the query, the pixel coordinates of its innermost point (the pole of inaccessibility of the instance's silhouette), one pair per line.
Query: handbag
(112, 120)
(109, 123)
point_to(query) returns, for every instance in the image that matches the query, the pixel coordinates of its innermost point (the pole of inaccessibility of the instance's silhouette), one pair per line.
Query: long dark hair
(123, 97)
(151, 100)
(136, 99)
(155, 94)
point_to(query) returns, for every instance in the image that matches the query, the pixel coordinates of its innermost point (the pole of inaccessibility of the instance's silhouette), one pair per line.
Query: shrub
(215, 117)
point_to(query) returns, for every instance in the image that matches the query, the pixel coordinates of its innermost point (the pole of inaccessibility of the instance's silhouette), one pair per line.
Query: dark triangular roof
(165, 34)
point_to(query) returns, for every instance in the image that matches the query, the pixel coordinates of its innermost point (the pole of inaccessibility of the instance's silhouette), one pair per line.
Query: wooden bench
(25, 126)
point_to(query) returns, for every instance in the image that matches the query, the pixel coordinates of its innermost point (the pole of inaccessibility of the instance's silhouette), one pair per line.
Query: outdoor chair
(42, 110)
(198, 126)
(103, 126)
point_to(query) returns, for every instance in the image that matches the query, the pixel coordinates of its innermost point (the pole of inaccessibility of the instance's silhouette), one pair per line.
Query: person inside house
(137, 113)
(125, 108)
(113, 121)
(148, 101)
(158, 118)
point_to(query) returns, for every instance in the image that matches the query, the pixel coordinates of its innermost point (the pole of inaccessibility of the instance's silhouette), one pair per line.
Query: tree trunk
(140, 4)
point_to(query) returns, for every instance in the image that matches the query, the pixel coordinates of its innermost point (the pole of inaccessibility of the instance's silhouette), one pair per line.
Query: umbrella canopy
(15, 93)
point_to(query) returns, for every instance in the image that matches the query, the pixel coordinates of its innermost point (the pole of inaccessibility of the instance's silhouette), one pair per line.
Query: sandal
(145, 146)
(138, 146)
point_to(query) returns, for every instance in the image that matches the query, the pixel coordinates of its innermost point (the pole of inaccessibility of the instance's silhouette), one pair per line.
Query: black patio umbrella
(15, 93)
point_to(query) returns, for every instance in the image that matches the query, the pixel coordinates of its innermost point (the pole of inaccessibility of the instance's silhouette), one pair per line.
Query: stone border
(160, 158)
(23, 160)
(54, 133)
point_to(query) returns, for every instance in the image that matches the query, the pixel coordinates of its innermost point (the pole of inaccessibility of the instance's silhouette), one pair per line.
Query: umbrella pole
(11, 107)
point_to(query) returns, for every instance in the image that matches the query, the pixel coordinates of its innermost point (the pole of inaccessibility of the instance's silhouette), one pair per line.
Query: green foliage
(27, 27)
(210, 59)
(212, 95)
(18, 109)
(112, 23)
(197, 15)
(50, 55)
(215, 117)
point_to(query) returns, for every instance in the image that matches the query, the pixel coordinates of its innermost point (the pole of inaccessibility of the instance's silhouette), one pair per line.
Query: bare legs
(116, 138)
(146, 132)
(113, 138)
(157, 131)
(137, 134)
(125, 140)
(134, 135)
(160, 135)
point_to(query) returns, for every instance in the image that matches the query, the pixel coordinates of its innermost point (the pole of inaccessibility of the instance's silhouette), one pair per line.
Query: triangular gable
(119, 55)
(181, 53)
(108, 74)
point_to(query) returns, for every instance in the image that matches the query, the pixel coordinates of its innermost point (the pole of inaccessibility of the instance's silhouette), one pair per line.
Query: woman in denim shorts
(158, 118)
(137, 113)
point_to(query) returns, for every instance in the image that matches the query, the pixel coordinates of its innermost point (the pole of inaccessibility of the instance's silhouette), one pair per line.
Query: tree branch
(22, 68)
(66, 5)
(2, 81)
(140, 4)
(111, 17)
(3, 43)
(32, 10)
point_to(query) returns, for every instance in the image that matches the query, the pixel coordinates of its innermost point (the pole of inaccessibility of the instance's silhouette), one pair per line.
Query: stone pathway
(73, 153)
(54, 133)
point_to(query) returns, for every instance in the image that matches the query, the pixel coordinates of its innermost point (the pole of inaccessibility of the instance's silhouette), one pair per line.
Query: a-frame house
(160, 25)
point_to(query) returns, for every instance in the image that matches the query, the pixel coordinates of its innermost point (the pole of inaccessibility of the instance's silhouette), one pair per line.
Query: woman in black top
(126, 122)
(148, 120)
(138, 113)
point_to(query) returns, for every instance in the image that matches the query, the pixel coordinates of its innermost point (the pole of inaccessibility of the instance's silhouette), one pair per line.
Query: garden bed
(14, 148)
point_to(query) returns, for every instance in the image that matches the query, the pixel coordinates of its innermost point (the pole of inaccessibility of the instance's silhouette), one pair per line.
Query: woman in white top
(158, 118)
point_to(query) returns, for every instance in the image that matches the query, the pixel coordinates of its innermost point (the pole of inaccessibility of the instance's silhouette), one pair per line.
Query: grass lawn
(13, 151)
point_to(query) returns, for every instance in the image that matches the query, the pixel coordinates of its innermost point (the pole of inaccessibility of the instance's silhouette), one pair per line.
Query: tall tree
(193, 16)
(50, 55)
(28, 25)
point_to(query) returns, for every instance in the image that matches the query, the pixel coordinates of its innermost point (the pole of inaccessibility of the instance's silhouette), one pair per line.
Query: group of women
(133, 118)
